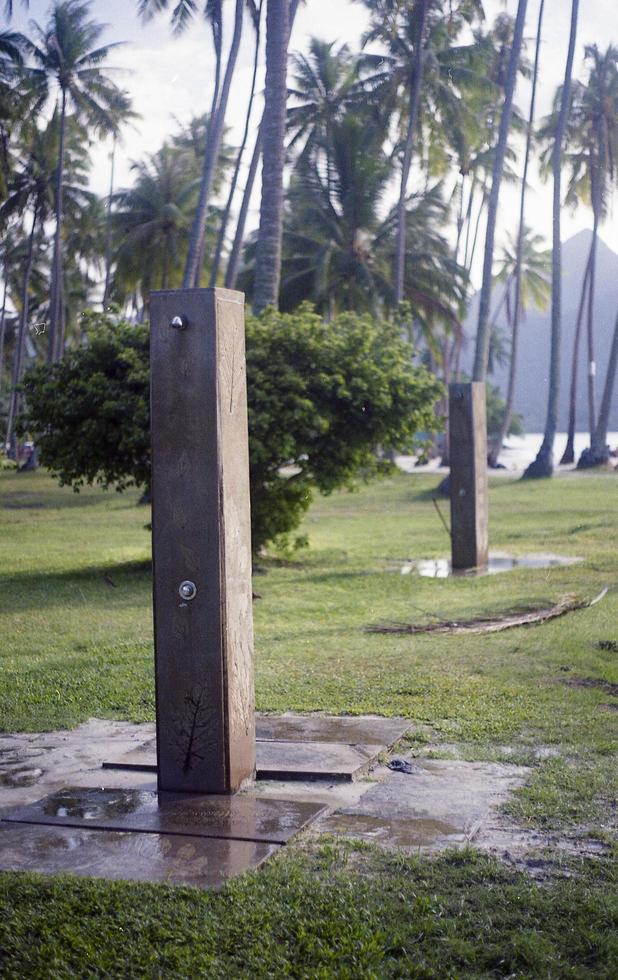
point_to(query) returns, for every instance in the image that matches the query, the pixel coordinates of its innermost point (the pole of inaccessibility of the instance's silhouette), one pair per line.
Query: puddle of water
(441, 567)
(401, 833)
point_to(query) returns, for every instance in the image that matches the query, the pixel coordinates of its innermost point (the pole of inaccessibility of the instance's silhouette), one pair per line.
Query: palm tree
(239, 156)
(120, 113)
(151, 221)
(233, 265)
(519, 305)
(338, 246)
(32, 191)
(67, 52)
(543, 465)
(598, 453)
(525, 270)
(592, 139)
(415, 34)
(268, 264)
(183, 12)
(482, 334)
(568, 455)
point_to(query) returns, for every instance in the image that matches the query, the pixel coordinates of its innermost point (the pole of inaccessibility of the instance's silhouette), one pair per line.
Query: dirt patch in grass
(606, 686)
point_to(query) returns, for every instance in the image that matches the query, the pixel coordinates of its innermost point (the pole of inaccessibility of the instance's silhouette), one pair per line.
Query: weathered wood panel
(201, 534)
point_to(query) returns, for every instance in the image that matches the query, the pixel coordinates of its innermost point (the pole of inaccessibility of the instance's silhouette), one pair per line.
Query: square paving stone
(240, 817)
(199, 861)
(314, 760)
(301, 746)
(353, 730)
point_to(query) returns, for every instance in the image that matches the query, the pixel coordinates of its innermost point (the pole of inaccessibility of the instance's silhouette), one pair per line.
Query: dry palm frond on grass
(493, 624)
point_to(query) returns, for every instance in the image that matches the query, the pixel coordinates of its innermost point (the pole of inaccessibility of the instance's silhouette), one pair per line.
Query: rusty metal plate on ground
(241, 817)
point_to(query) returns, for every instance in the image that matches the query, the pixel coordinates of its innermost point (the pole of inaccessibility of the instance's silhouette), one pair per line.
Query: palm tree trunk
(108, 231)
(193, 267)
(21, 335)
(3, 316)
(468, 219)
(55, 312)
(214, 272)
(416, 78)
(590, 322)
(543, 465)
(517, 311)
(599, 451)
(482, 333)
(568, 455)
(268, 263)
(233, 265)
(477, 227)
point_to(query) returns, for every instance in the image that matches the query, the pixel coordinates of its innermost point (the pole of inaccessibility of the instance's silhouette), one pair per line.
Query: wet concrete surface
(240, 817)
(442, 803)
(178, 860)
(300, 747)
(368, 729)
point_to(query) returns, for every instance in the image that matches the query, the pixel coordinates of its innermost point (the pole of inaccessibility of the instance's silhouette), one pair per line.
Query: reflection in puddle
(498, 562)
(415, 832)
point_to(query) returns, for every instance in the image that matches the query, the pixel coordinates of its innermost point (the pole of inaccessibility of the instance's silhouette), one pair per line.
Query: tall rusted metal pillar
(468, 480)
(201, 541)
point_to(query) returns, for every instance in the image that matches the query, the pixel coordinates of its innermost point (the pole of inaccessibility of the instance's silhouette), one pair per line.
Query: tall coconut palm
(120, 114)
(568, 455)
(214, 273)
(518, 304)
(592, 152)
(233, 265)
(482, 333)
(407, 31)
(326, 83)
(525, 271)
(268, 264)
(152, 220)
(67, 53)
(183, 12)
(338, 246)
(598, 452)
(32, 196)
(543, 464)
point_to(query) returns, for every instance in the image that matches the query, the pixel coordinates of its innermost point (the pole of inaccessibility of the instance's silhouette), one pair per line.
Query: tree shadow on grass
(98, 585)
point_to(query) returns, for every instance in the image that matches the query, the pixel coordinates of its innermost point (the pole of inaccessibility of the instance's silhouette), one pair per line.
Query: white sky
(170, 77)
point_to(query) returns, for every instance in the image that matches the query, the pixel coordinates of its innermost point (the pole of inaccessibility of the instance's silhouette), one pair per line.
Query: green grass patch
(76, 641)
(76, 626)
(333, 911)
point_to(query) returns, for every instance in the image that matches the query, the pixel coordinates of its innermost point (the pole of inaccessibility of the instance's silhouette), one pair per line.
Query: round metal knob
(187, 590)
(178, 323)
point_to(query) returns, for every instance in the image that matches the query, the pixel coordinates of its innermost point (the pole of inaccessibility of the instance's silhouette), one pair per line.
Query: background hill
(533, 360)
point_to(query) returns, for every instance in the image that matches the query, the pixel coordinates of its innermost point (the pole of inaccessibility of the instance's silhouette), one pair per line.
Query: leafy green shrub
(321, 397)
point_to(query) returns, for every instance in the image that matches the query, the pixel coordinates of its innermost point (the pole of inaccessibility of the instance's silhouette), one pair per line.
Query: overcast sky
(171, 77)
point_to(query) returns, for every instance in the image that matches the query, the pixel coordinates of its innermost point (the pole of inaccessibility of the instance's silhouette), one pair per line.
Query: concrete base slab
(334, 761)
(240, 817)
(300, 747)
(440, 804)
(200, 861)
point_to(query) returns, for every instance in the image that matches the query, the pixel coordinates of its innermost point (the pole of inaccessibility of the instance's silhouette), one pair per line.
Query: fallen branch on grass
(495, 624)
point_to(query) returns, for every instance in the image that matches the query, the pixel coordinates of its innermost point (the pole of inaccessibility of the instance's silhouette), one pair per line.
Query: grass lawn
(76, 641)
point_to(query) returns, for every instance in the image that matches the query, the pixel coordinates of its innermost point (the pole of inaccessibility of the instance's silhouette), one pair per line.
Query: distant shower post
(468, 479)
